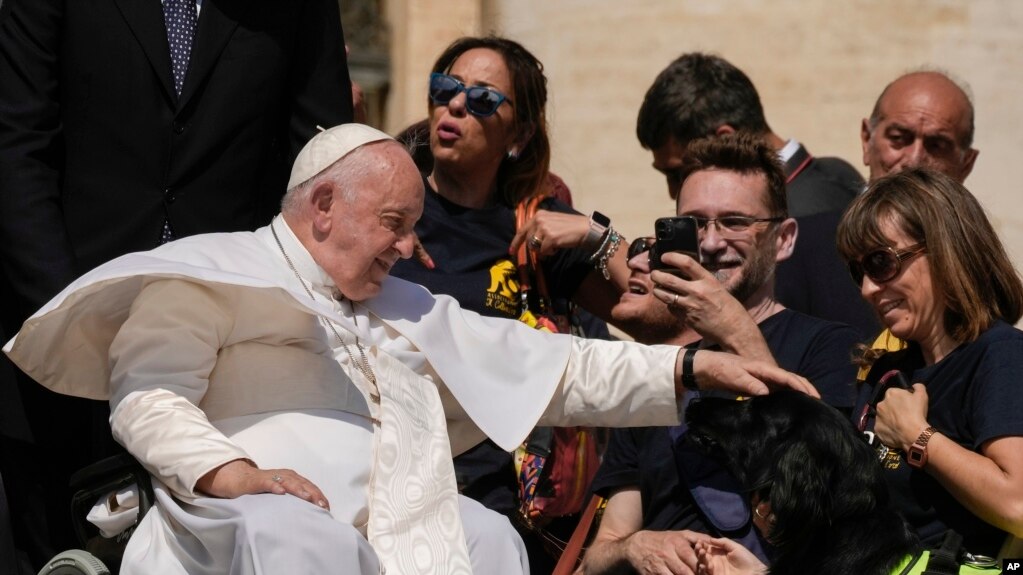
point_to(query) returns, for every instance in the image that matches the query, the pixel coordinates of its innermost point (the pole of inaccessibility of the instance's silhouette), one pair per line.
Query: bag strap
(526, 259)
(573, 551)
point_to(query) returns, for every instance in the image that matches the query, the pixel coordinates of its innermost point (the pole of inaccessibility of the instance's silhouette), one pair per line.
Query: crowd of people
(314, 336)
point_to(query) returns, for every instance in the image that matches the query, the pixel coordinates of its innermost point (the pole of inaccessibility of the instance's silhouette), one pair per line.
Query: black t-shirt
(973, 396)
(470, 250)
(642, 457)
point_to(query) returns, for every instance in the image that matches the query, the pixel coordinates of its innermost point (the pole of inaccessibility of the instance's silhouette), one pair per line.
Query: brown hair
(969, 265)
(745, 153)
(525, 176)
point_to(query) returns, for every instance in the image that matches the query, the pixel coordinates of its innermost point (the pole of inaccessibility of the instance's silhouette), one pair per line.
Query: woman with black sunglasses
(490, 153)
(929, 262)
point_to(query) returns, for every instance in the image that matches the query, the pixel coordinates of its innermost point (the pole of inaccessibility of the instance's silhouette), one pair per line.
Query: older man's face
(923, 121)
(373, 227)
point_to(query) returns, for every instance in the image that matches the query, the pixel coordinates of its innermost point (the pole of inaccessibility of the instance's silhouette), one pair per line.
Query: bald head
(922, 119)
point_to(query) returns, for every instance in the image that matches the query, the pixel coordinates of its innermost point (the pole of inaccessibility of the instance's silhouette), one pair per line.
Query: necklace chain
(363, 366)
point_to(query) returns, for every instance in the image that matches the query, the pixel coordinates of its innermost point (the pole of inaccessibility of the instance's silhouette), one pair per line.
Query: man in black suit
(116, 135)
(701, 95)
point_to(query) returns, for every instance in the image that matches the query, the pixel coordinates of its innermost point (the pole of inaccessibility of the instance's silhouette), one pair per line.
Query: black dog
(823, 482)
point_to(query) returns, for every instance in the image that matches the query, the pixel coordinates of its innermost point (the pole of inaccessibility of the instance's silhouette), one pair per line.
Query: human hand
(420, 253)
(553, 231)
(726, 557)
(662, 552)
(725, 371)
(699, 299)
(901, 416)
(242, 477)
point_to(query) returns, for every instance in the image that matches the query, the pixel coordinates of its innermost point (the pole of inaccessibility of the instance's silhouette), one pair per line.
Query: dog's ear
(800, 492)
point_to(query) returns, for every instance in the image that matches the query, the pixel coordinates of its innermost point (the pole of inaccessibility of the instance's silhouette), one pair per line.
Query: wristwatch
(598, 227)
(688, 376)
(917, 455)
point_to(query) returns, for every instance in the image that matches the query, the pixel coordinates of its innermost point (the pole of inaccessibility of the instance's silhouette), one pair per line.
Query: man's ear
(724, 130)
(323, 205)
(788, 231)
(865, 140)
(971, 157)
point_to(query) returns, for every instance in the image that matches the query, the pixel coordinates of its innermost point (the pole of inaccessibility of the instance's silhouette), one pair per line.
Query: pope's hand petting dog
(241, 477)
(726, 557)
(725, 371)
(662, 552)
(901, 416)
(699, 299)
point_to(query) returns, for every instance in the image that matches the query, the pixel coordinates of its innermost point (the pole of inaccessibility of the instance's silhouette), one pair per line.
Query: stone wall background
(819, 66)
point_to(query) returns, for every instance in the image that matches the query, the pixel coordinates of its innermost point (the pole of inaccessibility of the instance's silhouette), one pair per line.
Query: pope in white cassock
(298, 409)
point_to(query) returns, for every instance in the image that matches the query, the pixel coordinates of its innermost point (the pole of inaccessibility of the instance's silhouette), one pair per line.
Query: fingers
(730, 372)
(691, 268)
(421, 255)
(286, 481)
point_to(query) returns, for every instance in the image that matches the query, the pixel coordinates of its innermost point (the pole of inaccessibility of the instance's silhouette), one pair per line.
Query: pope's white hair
(350, 168)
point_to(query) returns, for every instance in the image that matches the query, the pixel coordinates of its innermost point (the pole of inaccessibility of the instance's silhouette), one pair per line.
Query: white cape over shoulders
(64, 346)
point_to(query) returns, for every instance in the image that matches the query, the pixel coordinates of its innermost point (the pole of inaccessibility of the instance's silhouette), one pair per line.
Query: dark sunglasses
(640, 245)
(479, 100)
(884, 264)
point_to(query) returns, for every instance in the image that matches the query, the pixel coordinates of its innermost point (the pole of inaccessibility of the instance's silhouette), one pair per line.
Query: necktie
(179, 19)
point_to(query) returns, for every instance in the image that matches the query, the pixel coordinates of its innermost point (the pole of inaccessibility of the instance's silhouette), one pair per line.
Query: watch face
(601, 219)
(916, 456)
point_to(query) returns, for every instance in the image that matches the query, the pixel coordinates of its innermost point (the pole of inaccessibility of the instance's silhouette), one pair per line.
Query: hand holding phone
(677, 234)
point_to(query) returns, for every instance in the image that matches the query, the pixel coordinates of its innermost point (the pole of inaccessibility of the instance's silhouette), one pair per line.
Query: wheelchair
(99, 555)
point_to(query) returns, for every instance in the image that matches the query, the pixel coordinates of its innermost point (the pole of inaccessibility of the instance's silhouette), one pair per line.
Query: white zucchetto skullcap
(330, 146)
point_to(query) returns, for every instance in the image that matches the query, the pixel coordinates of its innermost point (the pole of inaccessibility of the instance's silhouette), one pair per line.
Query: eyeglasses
(479, 100)
(733, 226)
(640, 245)
(883, 265)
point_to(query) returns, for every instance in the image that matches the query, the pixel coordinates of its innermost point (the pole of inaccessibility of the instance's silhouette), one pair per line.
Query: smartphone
(678, 234)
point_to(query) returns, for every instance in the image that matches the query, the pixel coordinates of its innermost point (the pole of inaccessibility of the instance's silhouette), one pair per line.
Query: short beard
(754, 272)
(652, 327)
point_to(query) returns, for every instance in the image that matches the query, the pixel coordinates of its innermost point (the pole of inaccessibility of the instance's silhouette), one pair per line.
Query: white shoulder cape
(502, 372)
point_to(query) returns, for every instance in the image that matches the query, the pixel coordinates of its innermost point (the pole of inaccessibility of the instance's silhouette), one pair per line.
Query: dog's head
(796, 452)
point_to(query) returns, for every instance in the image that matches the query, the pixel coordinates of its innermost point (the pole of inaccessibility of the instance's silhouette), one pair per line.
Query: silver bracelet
(606, 252)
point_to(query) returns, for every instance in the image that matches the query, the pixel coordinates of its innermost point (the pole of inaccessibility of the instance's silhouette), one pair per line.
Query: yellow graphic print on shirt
(502, 295)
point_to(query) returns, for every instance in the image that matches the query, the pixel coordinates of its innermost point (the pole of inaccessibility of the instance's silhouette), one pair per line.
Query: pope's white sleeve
(616, 384)
(161, 360)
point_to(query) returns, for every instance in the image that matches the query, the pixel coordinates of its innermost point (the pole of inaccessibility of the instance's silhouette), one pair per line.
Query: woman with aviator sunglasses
(927, 259)
(490, 152)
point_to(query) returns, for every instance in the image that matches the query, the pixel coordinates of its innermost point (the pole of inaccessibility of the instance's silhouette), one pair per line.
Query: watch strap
(688, 375)
(599, 224)
(917, 455)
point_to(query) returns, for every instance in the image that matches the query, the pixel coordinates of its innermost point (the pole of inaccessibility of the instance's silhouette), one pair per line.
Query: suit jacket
(819, 184)
(97, 151)
(814, 280)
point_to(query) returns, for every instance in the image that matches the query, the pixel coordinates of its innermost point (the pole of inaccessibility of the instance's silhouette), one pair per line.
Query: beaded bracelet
(606, 251)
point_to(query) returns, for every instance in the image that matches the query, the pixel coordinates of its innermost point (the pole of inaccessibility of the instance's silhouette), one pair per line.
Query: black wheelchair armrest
(108, 475)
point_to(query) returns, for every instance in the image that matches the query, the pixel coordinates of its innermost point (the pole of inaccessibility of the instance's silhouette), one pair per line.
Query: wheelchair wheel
(74, 562)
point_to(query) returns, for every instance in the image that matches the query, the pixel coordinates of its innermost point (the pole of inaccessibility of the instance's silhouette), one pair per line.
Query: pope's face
(370, 222)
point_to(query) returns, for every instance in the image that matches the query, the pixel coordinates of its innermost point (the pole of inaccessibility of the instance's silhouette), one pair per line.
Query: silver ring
(674, 302)
(276, 478)
(535, 242)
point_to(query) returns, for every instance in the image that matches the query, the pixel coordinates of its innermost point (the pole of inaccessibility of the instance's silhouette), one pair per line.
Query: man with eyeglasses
(700, 95)
(734, 187)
